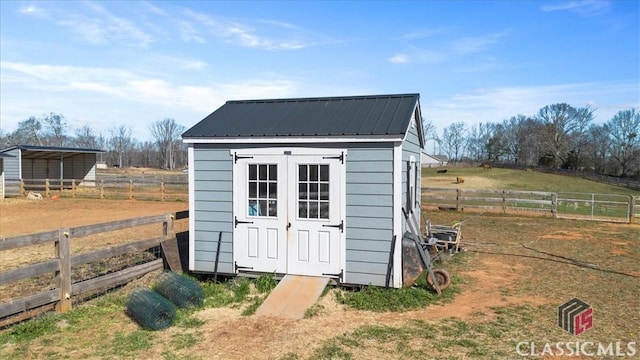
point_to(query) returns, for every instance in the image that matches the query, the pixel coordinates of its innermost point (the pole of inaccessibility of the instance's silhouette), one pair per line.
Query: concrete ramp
(293, 295)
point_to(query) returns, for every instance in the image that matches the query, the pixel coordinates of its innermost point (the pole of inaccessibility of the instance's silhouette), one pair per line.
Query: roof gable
(375, 115)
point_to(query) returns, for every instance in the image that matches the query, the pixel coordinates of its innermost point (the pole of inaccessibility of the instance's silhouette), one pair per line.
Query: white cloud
(582, 7)
(241, 34)
(122, 96)
(496, 104)
(421, 54)
(475, 44)
(399, 59)
(98, 26)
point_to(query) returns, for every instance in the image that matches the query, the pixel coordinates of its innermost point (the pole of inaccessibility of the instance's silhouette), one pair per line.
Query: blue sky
(107, 63)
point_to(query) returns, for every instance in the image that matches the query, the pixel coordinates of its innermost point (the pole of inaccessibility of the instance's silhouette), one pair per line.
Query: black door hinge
(339, 157)
(236, 157)
(340, 226)
(241, 222)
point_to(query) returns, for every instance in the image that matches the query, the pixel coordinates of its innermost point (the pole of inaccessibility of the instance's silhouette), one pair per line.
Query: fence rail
(139, 188)
(599, 207)
(61, 297)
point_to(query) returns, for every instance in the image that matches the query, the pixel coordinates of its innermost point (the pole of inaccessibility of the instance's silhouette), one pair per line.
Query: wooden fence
(602, 207)
(65, 291)
(108, 188)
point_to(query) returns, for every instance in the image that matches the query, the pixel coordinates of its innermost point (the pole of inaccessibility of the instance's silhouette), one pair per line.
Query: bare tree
(121, 142)
(513, 133)
(29, 132)
(597, 148)
(453, 139)
(86, 138)
(167, 136)
(478, 139)
(624, 134)
(559, 122)
(56, 128)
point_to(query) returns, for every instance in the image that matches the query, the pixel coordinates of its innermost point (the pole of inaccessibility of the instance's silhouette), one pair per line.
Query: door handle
(288, 226)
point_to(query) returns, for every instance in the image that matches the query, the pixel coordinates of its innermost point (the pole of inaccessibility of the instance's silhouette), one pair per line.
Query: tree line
(559, 136)
(165, 150)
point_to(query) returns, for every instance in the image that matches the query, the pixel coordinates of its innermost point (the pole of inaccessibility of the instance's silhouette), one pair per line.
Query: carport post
(61, 172)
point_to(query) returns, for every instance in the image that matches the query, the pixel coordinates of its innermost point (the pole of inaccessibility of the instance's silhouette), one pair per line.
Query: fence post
(458, 198)
(162, 190)
(46, 188)
(632, 207)
(504, 201)
(167, 226)
(554, 205)
(22, 190)
(130, 189)
(101, 189)
(63, 253)
(73, 188)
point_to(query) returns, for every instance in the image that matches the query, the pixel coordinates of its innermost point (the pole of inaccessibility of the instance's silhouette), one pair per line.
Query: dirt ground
(232, 336)
(21, 216)
(226, 334)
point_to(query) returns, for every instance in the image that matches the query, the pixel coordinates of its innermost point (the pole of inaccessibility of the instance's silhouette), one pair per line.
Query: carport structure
(31, 162)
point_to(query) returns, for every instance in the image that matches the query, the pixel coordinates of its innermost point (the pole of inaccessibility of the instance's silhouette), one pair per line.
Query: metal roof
(49, 152)
(326, 116)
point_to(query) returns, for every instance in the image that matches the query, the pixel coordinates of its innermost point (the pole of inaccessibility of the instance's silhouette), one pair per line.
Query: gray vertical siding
(12, 165)
(213, 181)
(369, 217)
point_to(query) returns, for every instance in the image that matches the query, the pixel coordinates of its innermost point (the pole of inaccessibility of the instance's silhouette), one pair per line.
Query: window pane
(273, 208)
(253, 189)
(263, 190)
(324, 191)
(273, 172)
(302, 172)
(253, 208)
(302, 191)
(263, 207)
(263, 172)
(324, 210)
(253, 172)
(313, 172)
(313, 191)
(302, 209)
(324, 172)
(313, 210)
(273, 190)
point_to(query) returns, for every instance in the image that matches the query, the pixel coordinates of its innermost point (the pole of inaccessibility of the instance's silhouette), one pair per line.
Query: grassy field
(508, 284)
(513, 179)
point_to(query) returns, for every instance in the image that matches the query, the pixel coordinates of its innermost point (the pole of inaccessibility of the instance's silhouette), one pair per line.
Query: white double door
(288, 211)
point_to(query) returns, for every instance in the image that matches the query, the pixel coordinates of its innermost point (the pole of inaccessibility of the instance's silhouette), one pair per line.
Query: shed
(430, 161)
(31, 162)
(306, 186)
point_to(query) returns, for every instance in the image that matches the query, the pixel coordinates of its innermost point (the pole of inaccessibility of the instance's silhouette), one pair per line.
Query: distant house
(306, 186)
(48, 162)
(430, 161)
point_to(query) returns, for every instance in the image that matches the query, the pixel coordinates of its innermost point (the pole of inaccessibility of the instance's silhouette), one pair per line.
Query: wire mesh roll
(150, 309)
(184, 292)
